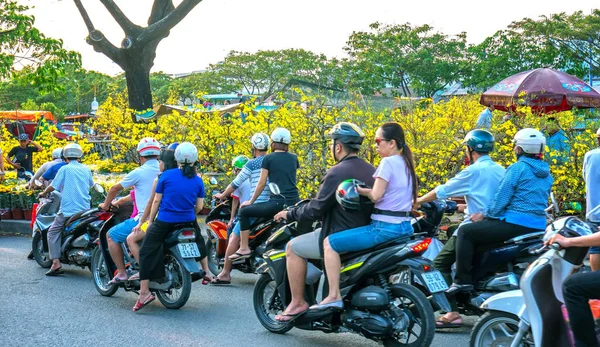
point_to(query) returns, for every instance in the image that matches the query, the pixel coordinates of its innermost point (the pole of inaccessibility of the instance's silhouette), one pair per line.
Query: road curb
(15, 227)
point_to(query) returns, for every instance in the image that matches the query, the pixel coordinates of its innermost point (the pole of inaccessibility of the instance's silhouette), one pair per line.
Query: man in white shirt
(142, 179)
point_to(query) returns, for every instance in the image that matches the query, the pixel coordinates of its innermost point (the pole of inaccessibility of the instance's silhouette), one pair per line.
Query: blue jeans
(237, 229)
(120, 231)
(368, 236)
(594, 250)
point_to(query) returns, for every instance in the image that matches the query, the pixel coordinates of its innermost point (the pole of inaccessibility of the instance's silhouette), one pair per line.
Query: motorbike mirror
(28, 174)
(554, 203)
(213, 181)
(98, 188)
(38, 183)
(274, 188)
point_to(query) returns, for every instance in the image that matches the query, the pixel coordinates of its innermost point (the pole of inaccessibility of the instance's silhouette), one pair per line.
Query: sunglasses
(378, 141)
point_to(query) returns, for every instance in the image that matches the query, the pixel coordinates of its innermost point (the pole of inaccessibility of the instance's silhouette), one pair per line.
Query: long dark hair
(168, 158)
(189, 170)
(393, 131)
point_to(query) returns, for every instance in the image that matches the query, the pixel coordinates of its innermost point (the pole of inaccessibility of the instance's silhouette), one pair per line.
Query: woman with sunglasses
(394, 192)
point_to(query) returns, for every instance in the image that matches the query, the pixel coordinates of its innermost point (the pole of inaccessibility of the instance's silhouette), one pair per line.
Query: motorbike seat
(74, 217)
(514, 240)
(400, 241)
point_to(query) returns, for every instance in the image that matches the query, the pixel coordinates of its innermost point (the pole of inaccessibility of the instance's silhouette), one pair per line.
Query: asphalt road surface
(36, 310)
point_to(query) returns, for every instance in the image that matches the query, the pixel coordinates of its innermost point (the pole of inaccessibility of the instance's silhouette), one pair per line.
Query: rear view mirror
(554, 203)
(38, 183)
(274, 188)
(213, 181)
(28, 174)
(98, 188)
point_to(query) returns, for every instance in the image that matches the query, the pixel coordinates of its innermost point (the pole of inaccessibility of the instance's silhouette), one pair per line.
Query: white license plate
(189, 250)
(435, 281)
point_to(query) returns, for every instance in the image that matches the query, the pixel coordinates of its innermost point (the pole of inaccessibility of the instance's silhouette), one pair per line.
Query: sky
(215, 27)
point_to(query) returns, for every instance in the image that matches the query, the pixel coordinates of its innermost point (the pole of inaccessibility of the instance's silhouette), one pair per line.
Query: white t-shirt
(242, 193)
(142, 179)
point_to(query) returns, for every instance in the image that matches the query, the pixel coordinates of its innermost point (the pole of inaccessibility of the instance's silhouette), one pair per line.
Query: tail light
(422, 246)
(104, 216)
(187, 234)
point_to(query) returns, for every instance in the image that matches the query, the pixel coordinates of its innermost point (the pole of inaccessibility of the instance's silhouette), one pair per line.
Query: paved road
(36, 310)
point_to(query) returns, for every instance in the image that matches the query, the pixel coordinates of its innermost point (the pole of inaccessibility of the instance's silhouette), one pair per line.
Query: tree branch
(96, 38)
(128, 27)
(84, 15)
(160, 9)
(162, 27)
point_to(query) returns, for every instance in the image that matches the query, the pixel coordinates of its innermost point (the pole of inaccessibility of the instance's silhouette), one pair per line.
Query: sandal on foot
(217, 281)
(134, 277)
(55, 272)
(140, 305)
(445, 323)
(117, 280)
(239, 256)
(207, 280)
(289, 317)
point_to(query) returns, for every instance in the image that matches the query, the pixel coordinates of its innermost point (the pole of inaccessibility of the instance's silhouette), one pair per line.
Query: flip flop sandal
(55, 272)
(117, 280)
(238, 256)
(292, 317)
(217, 281)
(140, 305)
(207, 280)
(445, 323)
(134, 277)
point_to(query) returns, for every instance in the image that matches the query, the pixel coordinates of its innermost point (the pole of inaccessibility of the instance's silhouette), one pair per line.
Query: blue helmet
(173, 146)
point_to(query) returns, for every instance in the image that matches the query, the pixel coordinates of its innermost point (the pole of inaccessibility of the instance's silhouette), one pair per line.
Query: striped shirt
(251, 171)
(74, 181)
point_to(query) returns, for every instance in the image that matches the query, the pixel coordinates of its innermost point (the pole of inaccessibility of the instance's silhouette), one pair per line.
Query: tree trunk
(138, 87)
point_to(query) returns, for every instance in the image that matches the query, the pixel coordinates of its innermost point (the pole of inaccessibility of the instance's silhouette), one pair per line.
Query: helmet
(186, 153)
(260, 141)
(57, 153)
(148, 147)
(598, 132)
(348, 134)
(347, 194)
(530, 140)
(480, 140)
(239, 161)
(170, 148)
(73, 151)
(173, 146)
(281, 135)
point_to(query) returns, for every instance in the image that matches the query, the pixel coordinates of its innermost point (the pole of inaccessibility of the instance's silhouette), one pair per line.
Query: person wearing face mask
(346, 140)
(518, 207)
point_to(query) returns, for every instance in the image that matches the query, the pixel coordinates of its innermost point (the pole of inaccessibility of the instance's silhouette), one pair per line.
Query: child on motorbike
(278, 167)
(394, 192)
(179, 196)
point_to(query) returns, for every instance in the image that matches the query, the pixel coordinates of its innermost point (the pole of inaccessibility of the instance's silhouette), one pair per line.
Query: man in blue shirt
(484, 121)
(49, 175)
(557, 142)
(478, 183)
(74, 182)
(591, 175)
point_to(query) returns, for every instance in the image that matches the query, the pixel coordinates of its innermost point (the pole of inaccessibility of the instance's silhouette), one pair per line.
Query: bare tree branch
(128, 27)
(162, 27)
(84, 15)
(96, 38)
(160, 9)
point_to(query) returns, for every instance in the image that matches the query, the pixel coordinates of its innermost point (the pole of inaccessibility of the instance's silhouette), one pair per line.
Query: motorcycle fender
(510, 302)
(191, 265)
(263, 269)
(439, 301)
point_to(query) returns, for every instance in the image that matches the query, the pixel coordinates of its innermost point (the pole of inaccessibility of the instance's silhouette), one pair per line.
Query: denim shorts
(595, 250)
(368, 236)
(119, 232)
(237, 229)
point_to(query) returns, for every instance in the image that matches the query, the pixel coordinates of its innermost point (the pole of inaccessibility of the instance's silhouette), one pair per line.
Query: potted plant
(29, 199)
(5, 206)
(16, 204)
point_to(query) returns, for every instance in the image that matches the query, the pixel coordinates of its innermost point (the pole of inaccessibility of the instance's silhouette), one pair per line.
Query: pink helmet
(148, 147)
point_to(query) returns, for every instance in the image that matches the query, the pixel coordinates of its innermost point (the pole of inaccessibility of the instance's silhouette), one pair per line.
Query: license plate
(435, 281)
(189, 250)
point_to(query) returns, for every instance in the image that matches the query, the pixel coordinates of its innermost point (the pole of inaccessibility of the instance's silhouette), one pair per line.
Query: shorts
(368, 236)
(119, 232)
(307, 246)
(237, 229)
(594, 250)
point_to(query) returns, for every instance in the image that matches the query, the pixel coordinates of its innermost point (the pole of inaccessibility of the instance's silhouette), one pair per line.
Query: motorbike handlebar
(555, 246)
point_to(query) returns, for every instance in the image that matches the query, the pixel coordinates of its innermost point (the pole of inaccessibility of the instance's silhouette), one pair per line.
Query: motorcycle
(77, 237)
(181, 267)
(218, 238)
(532, 315)
(394, 314)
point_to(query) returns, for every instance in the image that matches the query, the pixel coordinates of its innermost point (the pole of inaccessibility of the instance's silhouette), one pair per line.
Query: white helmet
(530, 140)
(260, 141)
(73, 151)
(598, 132)
(186, 153)
(148, 147)
(281, 135)
(57, 153)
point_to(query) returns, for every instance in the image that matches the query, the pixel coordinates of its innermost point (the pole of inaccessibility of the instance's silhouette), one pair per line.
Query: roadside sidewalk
(15, 227)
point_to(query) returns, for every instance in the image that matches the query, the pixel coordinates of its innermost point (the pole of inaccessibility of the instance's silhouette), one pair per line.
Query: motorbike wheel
(414, 304)
(267, 304)
(42, 258)
(100, 274)
(179, 294)
(213, 258)
(494, 328)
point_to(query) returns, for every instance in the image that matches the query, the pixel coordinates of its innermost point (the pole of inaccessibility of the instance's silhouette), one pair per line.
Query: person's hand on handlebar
(564, 242)
(281, 216)
(219, 196)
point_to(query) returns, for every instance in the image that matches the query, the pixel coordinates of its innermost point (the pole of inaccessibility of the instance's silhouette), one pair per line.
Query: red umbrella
(545, 90)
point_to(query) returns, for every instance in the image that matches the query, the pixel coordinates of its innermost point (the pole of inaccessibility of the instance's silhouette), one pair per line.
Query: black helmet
(348, 134)
(347, 194)
(480, 140)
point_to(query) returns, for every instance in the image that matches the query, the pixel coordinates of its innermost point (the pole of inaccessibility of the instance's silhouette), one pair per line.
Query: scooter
(532, 315)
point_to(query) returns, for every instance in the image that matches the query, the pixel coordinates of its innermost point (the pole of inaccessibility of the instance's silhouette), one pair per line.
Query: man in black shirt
(346, 141)
(21, 156)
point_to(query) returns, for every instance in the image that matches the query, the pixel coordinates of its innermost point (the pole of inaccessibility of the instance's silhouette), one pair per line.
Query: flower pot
(17, 213)
(27, 214)
(7, 213)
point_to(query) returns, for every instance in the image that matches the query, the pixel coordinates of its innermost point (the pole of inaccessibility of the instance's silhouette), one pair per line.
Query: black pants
(443, 262)
(263, 209)
(577, 290)
(152, 253)
(486, 232)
